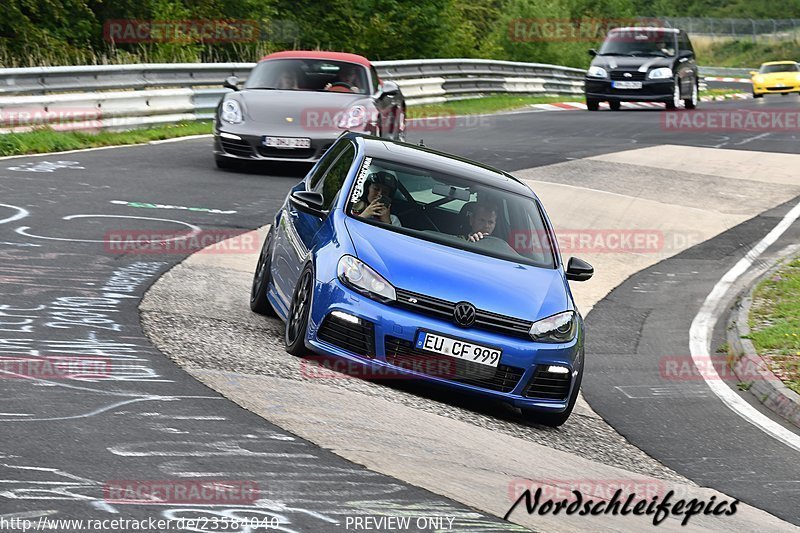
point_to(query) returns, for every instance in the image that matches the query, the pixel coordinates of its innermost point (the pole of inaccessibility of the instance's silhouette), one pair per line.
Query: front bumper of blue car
(380, 337)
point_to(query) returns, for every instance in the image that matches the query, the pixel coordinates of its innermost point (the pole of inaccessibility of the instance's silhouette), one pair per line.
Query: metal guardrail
(126, 96)
(129, 96)
(726, 72)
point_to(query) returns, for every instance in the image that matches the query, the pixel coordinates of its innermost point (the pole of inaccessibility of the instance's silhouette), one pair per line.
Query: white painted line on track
(705, 320)
(98, 148)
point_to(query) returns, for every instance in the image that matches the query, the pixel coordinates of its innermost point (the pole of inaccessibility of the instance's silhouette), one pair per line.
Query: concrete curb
(751, 368)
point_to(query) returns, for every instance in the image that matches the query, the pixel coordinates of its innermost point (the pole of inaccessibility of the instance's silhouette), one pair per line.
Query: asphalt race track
(66, 443)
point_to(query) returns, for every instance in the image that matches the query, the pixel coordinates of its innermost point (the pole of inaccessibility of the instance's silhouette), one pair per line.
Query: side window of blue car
(333, 179)
(325, 163)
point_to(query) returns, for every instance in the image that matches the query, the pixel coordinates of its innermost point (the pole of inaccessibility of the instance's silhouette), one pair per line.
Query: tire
(592, 104)
(297, 322)
(614, 105)
(225, 163)
(555, 419)
(756, 95)
(259, 303)
(676, 97)
(691, 103)
(399, 129)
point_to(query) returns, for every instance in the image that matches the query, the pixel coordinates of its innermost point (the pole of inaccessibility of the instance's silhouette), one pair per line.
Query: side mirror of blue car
(579, 270)
(308, 202)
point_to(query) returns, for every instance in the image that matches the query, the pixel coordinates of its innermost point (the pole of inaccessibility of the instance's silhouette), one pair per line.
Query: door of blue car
(296, 230)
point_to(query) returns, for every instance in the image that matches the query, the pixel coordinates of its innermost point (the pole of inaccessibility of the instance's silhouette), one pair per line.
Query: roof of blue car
(426, 157)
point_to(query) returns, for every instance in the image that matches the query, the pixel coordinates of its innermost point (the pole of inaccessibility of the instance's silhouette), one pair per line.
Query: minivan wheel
(297, 321)
(592, 104)
(691, 103)
(676, 96)
(614, 105)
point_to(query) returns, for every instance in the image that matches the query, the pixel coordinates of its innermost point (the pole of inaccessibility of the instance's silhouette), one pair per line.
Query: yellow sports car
(778, 77)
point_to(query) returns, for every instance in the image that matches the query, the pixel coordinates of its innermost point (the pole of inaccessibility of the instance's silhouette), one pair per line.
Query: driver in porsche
(347, 76)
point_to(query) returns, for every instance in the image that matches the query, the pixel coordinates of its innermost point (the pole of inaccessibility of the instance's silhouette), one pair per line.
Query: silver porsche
(295, 104)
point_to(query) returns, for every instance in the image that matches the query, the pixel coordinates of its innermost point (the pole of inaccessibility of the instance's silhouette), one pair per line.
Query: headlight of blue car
(556, 328)
(362, 279)
(231, 112)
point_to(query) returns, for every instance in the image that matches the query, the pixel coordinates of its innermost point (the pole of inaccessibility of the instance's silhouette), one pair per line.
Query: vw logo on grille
(464, 314)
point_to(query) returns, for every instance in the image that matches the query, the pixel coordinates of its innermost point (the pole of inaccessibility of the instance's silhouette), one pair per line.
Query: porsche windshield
(309, 75)
(632, 42)
(451, 211)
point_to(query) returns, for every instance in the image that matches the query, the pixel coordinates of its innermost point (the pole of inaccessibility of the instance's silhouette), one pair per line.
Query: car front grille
(356, 338)
(547, 385)
(286, 153)
(240, 148)
(635, 75)
(402, 353)
(443, 309)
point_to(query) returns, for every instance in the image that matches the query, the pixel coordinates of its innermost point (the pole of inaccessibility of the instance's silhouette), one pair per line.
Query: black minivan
(643, 65)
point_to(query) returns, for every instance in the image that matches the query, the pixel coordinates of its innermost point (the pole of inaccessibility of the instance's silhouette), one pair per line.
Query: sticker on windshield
(362, 177)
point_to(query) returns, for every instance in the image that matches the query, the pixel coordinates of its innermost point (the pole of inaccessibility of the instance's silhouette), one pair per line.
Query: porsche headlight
(556, 328)
(362, 279)
(355, 117)
(597, 72)
(662, 73)
(231, 112)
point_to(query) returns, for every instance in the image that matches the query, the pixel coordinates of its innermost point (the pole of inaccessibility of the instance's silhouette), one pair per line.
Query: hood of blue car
(491, 284)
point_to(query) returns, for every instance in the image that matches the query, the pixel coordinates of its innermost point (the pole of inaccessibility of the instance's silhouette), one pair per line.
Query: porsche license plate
(287, 142)
(627, 84)
(484, 355)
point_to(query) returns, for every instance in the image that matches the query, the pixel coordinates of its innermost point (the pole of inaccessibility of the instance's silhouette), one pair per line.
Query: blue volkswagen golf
(415, 263)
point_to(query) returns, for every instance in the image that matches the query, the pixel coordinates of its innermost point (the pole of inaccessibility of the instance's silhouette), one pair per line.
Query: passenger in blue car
(376, 202)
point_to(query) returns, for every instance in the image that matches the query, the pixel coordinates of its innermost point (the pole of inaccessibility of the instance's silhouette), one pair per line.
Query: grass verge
(726, 52)
(775, 322)
(725, 92)
(486, 104)
(46, 140)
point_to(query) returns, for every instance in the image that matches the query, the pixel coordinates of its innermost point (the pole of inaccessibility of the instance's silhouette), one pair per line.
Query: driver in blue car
(482, 219)
(376, 203)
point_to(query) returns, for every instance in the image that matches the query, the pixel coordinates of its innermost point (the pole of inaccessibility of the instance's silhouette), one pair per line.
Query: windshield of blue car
(451, 211)
(309, 75)
(630, 42)
(781, 67)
